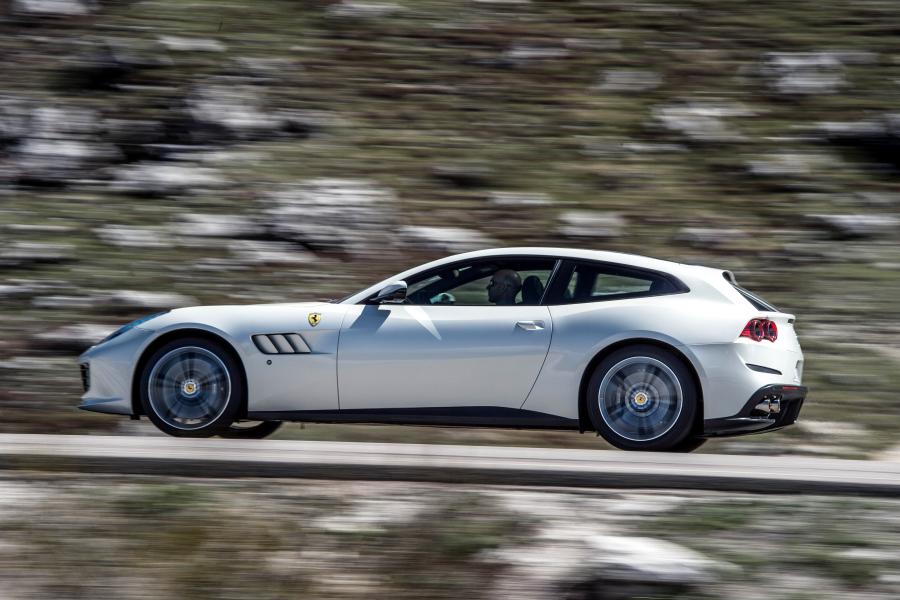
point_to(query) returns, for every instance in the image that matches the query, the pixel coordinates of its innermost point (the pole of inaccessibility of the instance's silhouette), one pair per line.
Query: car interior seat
(532, 290)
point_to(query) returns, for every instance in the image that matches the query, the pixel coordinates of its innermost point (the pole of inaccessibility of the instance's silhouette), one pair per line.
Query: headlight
(129, 326)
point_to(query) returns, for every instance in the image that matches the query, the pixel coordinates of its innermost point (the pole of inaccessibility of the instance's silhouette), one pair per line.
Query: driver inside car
(504, 286)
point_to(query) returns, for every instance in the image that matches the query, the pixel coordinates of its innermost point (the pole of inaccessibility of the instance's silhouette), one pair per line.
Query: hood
(228, 317)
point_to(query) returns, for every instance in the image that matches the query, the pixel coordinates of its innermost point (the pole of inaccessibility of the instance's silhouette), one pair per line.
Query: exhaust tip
(770, 405)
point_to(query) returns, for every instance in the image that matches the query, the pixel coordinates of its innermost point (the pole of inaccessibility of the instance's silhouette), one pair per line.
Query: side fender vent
(281, 343)
(85, 376)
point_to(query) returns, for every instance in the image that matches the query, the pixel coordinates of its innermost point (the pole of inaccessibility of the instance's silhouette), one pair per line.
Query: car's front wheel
(192, 387)
(643, 397)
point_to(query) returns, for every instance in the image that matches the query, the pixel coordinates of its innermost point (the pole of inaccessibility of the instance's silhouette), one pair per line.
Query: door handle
(530, 325)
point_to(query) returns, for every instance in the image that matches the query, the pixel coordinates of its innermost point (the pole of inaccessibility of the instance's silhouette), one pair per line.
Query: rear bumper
(752, 419)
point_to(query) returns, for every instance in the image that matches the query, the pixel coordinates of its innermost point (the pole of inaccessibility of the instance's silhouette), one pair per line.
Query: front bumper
(107, 371)
(752, 419)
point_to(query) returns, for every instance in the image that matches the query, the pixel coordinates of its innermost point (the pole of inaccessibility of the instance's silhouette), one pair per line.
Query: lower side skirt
(461, 416)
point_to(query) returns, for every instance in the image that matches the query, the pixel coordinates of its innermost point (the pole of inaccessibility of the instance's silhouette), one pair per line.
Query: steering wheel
(444, 298)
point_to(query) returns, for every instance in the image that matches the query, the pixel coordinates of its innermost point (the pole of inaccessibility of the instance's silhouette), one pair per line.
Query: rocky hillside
(162, 153)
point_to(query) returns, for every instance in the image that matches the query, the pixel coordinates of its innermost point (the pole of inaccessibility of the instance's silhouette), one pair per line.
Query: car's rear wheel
(251, 430)
(192, 387)
(643, 397)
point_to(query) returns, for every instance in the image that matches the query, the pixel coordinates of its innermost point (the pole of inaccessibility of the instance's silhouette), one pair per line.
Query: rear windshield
(757, 302)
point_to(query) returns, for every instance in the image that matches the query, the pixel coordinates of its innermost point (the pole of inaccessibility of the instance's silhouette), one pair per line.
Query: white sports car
(652, 355)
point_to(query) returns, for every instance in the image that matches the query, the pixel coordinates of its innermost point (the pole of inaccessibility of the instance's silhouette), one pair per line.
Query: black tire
(650, 400)
(214, 404)
(258, 431)
(688, 444)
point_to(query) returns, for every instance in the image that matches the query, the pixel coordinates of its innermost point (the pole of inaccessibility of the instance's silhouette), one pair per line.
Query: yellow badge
(314, 318)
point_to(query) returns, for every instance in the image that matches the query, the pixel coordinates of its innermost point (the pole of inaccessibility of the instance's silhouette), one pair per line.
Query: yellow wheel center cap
(189, 387)
(641, 399)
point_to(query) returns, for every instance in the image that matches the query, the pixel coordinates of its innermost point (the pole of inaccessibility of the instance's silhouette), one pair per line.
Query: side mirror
(392, 293)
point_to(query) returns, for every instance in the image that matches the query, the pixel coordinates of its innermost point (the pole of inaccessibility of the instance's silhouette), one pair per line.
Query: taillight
(760, 329)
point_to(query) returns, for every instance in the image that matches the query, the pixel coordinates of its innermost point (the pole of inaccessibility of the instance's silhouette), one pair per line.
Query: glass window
(483, 283)
(757, 302)
(596, 282)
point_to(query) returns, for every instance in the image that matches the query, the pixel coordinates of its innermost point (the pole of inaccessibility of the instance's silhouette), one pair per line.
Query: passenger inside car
(504, 286)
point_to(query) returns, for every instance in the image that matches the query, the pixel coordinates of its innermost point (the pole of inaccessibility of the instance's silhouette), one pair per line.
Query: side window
(485, 282)
(597, 282)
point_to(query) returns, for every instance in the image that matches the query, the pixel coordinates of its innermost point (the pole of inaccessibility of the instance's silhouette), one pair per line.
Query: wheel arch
(175, 334)
(584, 419)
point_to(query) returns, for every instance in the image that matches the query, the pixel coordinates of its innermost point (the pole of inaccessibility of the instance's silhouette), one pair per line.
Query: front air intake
(281, 343)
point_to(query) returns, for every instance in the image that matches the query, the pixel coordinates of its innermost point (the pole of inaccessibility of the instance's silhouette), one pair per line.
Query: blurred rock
(622, 80)
(363, 10)
(266, 68)
(562, 560)
(782, 164)
(843, 227)
(809, 82)
(73, 338)
(880, 199)
(13, 291)
(812, 72)
(591, 224)
(17, 254)
(270, 253)
(217, 226)
(53, 8)
(133, 299)
(371, 515)
(162, 179)
(339, 214)
(133, 237)
(709, 237)
(804, 73)
(520, 199)
(61, 144)
(176, 43)
(525, 53)
(830, 429)
(642, 148)
(28, 288)
(46, 160)
(702, 121)
(451, 240)
(221, 265)
(236, 109)
(63, 302)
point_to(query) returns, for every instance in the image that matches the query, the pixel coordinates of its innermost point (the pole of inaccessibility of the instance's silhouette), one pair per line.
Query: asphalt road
(444, 463)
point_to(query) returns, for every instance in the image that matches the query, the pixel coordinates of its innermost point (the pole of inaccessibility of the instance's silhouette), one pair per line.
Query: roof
(634, 260)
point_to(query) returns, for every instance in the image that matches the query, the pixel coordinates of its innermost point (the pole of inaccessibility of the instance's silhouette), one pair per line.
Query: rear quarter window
(597, 282)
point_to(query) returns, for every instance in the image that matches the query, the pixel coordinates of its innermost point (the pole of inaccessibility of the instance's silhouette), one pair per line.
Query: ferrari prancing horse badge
(314, 318)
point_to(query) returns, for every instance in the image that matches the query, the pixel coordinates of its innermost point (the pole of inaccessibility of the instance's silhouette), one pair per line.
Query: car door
(451, 347)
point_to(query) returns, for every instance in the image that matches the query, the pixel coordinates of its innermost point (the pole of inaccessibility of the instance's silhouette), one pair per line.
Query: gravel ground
(149, 537)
